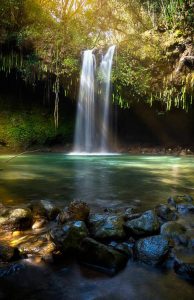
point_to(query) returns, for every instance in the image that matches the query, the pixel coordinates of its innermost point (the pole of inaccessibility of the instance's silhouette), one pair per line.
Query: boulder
(8, 253)
(69, 236)
(101, 257)
(76, 211)
(165, 213)
(147, 224)
(152, 250)
(175, 231)
(17, 219)
(185, 270)
(106, 226)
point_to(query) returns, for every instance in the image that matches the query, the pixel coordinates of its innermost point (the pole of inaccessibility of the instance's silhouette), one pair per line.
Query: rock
(44, 209)
(179, 199)
(130, 214)
(38, 210)
(152, 250)
(185, 270)
(101, 257)
(184, 208)
(166, 213)
(175, 231)
(125, 247)
(8, 253)
(76, 211)
(147, 224)
(106, 226)
(38, 246)
(17, 219)
(69, 236)
(64, 216)
(52, 211)
(39, 223)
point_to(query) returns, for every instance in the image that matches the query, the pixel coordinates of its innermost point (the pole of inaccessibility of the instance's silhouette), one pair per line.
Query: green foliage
(49, 36)
(24, 129)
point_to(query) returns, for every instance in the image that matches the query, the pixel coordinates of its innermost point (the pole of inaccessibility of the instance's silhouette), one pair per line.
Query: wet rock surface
(147, 224)
(165, 213)
(175, 231)
(106, 226)
(76, 211)
(69, 236)
(101, 241)
(101, 257)
(152, 250)
(16, 219)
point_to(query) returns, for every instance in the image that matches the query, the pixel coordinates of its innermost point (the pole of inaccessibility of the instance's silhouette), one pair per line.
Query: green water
(102, 181)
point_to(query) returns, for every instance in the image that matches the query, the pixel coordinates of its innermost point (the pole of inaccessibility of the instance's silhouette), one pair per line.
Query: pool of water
(102, 181)
(115, 180)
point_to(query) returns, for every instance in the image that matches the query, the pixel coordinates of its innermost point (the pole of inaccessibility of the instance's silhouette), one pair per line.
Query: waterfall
(85, 125)
(105, 71)
(93, 122)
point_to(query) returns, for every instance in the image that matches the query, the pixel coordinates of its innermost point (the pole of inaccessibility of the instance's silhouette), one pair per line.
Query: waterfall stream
(92, 122)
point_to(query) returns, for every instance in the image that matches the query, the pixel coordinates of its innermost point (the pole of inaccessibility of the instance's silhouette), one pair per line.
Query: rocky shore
(103, 241)
(131, 149)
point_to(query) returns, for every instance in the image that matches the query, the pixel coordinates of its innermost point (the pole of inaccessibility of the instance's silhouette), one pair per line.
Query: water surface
(115, 180)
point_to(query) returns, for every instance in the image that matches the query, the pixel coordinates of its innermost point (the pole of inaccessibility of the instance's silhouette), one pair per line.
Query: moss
(25, 129)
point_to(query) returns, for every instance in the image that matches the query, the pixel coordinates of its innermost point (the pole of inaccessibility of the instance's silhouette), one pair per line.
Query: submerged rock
(101, 257)
(106, 226)
(76, 211)
(69, 236)
(175, 231)
(147, 224)
(185, 270)
(152, 250)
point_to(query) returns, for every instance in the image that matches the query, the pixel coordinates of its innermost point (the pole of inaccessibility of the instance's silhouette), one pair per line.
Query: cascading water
(92, 128)
(105, 71)
(85, 125)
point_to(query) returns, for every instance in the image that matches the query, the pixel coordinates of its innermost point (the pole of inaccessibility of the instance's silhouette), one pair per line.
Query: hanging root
(56, 109)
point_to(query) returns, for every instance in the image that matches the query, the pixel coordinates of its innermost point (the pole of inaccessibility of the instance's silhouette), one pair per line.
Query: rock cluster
(103, 241)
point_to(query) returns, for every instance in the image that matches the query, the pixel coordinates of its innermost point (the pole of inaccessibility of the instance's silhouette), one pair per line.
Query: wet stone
(152, 250)
(101, 257)
(147, 224)
(106, 226)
